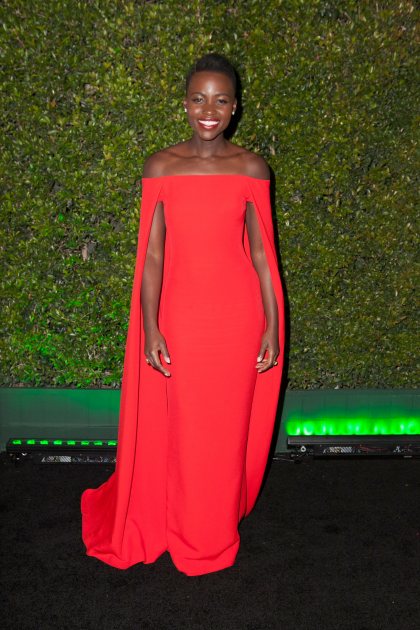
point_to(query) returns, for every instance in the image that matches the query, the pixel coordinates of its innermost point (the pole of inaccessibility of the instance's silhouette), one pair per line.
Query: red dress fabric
(192, 447)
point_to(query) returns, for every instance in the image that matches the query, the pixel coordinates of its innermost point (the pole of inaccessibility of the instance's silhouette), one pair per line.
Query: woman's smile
(208, 124)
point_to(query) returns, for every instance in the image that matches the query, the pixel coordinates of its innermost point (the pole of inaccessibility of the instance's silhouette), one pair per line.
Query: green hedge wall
(91, 88)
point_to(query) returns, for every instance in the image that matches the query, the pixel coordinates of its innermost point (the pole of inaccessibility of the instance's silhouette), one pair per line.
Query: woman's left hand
(269, 343)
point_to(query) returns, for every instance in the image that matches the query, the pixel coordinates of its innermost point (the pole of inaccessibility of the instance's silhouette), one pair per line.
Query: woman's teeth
(209, 124)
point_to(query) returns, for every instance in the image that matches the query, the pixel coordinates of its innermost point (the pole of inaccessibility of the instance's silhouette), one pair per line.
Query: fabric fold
(264, 405)
(110, 530)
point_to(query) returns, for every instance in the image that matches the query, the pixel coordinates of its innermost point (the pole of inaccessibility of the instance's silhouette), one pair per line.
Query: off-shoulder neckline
(258, 179)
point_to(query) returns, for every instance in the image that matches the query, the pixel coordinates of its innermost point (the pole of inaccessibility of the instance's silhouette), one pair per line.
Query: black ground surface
(331, 544)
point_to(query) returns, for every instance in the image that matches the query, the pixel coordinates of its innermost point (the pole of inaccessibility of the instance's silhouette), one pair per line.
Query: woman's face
(210, 101)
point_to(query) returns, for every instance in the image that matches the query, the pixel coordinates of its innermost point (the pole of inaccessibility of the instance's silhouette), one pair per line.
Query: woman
(203, 358)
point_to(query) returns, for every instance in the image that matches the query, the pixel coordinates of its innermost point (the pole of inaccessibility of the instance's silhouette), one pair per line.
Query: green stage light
(61, 450)
(353, 426)
(35, 443)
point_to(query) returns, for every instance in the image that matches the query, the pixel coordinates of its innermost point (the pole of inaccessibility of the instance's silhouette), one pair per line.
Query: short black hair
(213, 62)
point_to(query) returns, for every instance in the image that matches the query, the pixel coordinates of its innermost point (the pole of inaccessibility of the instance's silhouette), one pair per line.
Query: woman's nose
(208, 110)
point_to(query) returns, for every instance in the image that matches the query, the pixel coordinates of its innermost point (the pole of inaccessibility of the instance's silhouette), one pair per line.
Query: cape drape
(111, 530)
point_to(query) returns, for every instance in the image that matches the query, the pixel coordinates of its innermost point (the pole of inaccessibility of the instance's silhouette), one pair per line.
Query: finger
(262, 352)
(270, 357)
(165, 352)
(157, 364)
(268, 362)
(263, 366)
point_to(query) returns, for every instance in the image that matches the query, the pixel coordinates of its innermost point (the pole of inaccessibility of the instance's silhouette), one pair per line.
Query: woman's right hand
(155, 343)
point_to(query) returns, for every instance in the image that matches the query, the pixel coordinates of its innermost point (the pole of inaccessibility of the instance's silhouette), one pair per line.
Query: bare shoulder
(158, 164)
(255, 165)
(153, 165)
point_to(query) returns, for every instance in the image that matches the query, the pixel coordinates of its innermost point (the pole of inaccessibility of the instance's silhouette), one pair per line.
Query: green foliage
(90, 89)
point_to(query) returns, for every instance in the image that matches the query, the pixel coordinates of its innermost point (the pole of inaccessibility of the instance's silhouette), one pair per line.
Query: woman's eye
(197, 99)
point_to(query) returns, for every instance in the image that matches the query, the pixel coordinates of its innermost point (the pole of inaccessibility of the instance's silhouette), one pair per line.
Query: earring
(233, 112)
(185, 109)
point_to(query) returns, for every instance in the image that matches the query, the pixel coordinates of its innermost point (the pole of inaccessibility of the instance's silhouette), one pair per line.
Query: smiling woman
(209, 103)
(204, 350)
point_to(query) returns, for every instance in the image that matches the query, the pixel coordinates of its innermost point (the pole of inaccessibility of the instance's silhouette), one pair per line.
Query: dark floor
(331, 544)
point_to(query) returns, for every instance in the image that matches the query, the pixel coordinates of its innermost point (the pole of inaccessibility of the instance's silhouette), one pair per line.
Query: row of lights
(405, 426)
(43, 442)
(295, 427)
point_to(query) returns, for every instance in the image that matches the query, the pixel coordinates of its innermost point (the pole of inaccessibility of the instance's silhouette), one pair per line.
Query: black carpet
(331, 544)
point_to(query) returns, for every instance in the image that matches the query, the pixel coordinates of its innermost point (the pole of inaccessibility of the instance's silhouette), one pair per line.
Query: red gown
(192, 447)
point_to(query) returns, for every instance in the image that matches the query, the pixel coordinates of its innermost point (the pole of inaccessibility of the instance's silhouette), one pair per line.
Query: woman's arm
(270, 338)
(260, 263)
(150, 292)
(153, 270)
(151, 284)
(257, 167)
